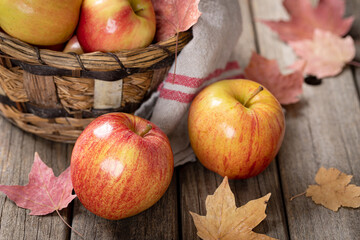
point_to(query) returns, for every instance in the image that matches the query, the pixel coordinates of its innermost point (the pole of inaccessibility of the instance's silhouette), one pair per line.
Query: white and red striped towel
(205, 59)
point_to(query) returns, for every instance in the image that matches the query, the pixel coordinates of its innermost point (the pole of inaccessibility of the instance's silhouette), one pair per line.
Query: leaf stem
(176, 51)
(354, 63)
(297, 195)
(57, 211)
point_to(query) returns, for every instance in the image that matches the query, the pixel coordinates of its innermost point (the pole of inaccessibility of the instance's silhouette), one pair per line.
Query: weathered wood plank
(196, 182)
(352, 9)
(322, 130)
(17, 156)
(158, 222)
(270, 46)
(246, 44)
(357, 79)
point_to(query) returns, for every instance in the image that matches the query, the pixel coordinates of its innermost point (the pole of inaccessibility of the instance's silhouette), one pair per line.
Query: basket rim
(14, 48)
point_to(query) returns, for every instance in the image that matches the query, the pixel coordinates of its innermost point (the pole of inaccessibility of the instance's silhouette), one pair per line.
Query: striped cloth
(205, 59)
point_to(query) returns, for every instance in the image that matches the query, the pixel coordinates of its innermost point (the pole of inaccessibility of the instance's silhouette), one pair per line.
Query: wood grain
(352, 9)
(41, 90)
(321, 130)
(356, 73)
(247, 41)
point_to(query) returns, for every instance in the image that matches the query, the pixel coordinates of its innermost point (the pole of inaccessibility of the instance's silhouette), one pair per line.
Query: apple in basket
(112, 25)
(40, 22)
(236, 128)
(121, 165)
(73, 45)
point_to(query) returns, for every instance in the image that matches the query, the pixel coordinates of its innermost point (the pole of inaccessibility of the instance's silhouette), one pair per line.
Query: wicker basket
(55, 95)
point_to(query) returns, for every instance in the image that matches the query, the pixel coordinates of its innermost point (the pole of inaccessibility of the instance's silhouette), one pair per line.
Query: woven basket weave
(52, 94)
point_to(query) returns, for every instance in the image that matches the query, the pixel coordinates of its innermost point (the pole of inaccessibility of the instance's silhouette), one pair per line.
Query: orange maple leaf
(334, 190)
(224, 221)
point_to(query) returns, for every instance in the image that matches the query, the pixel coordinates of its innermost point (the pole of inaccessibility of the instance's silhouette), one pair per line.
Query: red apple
(121, 165)
(73, 45)
(236, 129)
(112, 25)
(40, 22)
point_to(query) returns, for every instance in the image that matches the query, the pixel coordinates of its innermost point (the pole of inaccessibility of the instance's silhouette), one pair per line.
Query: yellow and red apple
(73, 45)
(113, 25)
(40, 22)
(121, 165)
(236, 128)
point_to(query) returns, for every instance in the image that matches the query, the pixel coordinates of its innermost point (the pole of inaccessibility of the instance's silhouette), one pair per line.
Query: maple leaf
(304, 19)
(224, 221)
(334, 190)
(174, 16)
(44, 193)
(325, 55)
(286, 88)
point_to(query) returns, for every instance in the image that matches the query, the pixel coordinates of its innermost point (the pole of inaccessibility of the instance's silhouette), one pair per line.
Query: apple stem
(139, 10)
(259, 89)
(146, 130)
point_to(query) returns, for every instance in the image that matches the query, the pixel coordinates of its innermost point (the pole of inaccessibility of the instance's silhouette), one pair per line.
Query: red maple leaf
(286, 88)
(174, 16)
(304, 19)
(44, 193)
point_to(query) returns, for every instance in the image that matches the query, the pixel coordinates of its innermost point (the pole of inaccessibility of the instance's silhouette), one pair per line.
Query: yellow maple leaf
(334, 190)
(224, 221)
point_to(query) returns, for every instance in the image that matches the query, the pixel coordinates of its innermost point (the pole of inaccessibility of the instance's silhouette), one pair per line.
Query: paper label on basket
(107, 94)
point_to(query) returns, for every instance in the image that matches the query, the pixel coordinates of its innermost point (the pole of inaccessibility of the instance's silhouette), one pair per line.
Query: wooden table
(323, 129)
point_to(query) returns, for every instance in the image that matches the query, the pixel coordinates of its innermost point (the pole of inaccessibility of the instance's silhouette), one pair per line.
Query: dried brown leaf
(333, 190)
(224, 221)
